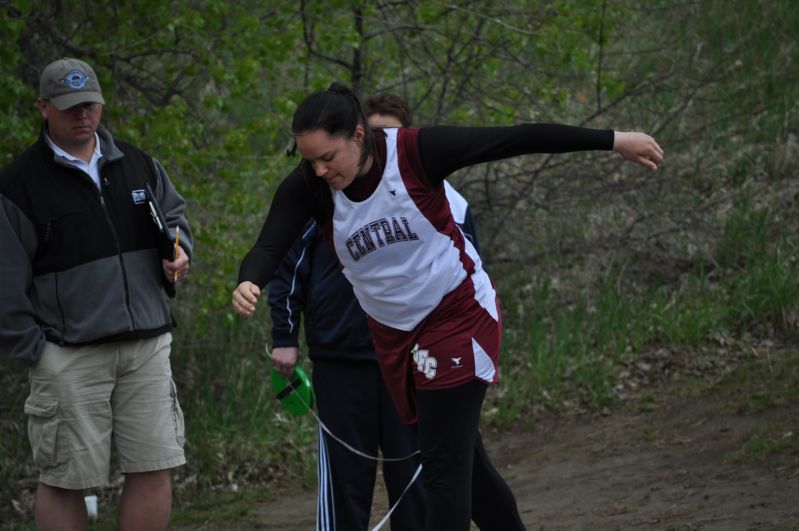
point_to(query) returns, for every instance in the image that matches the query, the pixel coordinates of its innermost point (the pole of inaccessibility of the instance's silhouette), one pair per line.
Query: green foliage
(16, 101)
(566, 346)
(15, 454)
(219, 507)
(237, 431)
(766, 381)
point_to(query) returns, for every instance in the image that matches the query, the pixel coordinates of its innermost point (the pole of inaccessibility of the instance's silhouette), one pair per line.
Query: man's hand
(639, 148)
(285, 359)
(175, 270)
(245, 297)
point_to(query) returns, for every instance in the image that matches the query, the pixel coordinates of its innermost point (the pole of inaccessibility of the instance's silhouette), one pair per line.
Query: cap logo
(75, 79)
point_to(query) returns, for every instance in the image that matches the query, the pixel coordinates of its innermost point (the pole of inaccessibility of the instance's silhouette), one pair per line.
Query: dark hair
(337, 111)
(390, 105)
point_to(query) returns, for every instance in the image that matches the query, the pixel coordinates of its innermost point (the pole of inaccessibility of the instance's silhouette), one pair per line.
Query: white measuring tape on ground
(354, 450)
(382, 522)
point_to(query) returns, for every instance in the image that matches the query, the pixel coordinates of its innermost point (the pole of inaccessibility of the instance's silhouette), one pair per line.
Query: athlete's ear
(359, 134)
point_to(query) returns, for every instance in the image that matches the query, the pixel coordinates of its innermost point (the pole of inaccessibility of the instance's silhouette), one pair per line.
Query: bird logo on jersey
(425, 363)
(456, 362)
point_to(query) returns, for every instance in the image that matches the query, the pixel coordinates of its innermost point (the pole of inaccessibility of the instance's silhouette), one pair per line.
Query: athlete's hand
(639, 148)
(285, 359)
(245, 297)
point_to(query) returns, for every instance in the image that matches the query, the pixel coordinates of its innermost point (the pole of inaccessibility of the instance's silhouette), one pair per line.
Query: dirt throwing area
(671, 467)
(667, 470)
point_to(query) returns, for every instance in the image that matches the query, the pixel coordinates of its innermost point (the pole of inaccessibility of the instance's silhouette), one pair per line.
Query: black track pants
(354, 404)
(460, 482)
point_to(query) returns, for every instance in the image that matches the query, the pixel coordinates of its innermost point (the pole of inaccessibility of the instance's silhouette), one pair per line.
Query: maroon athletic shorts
(457, 343)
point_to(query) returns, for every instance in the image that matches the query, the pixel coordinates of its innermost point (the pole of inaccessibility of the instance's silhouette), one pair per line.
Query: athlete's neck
(365, 183)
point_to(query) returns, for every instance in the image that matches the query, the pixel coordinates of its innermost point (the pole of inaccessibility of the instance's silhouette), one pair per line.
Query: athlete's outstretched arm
(445, 149)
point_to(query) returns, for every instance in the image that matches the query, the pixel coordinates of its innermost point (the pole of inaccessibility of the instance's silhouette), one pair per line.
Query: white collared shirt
(91, 168)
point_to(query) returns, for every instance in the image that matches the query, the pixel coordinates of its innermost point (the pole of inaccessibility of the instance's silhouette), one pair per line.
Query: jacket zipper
(61, 311)
(46, 239)
(119, 252)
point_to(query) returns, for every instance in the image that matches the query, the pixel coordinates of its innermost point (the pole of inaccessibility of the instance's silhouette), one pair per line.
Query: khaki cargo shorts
(83, 396)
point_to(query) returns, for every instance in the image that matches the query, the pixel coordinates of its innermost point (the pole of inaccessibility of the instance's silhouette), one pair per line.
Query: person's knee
(156, 480)
(445, 483)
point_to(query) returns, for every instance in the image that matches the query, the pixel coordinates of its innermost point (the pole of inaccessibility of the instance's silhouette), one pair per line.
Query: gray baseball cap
(68, 82)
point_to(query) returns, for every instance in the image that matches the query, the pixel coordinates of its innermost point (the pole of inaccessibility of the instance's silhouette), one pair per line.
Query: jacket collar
(107, 145)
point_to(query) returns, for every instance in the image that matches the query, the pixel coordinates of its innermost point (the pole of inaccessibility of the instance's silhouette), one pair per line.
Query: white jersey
(457, 203)
(400, 248)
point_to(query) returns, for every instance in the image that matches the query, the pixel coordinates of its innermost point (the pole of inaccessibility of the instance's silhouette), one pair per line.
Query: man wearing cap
(83, 302)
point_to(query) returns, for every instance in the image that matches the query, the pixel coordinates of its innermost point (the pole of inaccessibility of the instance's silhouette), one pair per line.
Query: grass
(765, 443)
(763, 382)
(650, 434)
(646, 402)
(219, 506)
(567, 347)
(690, 384)
(192, 509)
(237, 432)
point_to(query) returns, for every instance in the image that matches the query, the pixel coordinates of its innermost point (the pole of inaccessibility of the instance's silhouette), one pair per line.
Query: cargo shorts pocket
(43, 427)
(177, 416)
